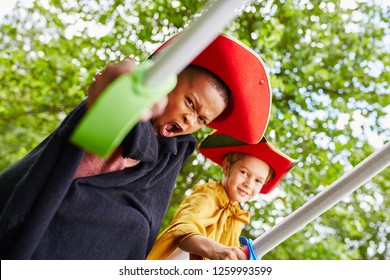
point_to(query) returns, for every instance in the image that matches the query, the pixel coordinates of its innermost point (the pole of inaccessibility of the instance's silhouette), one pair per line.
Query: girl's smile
(244, 178)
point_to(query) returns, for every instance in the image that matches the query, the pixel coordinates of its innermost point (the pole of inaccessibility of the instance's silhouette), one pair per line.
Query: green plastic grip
(117, 110)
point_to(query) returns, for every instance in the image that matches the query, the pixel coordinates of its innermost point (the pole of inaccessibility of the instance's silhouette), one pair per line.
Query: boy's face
(193, 103)
(245, 178)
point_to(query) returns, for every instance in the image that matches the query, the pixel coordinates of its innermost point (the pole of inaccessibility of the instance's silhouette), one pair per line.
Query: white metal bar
(193, 40)
(345, 185)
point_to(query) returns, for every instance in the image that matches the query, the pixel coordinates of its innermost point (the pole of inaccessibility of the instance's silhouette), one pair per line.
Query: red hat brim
(217, 146)
(243, 71)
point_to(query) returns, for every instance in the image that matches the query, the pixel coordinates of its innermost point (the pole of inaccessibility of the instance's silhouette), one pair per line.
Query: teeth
(171, 128)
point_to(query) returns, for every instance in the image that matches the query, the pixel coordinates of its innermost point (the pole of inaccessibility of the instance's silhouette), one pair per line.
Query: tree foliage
(329, 67)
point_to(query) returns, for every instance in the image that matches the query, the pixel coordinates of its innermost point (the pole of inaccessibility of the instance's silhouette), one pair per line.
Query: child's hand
(227, 253)
(203, 246)
(156, 110)
(109, 74)
(104, 78)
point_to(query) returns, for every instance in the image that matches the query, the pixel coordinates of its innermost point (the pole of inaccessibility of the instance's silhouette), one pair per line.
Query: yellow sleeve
(192, 217)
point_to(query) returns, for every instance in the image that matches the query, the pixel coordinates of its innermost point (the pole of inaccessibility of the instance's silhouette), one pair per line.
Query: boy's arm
(203, 246)
(108, 75)
(104, 78)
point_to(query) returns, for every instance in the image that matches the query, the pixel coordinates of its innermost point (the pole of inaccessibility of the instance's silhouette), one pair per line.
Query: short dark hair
(212, 78)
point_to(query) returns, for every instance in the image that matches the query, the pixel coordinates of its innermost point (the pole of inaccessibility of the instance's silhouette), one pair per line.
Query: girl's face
(245, 178)
(192, 104)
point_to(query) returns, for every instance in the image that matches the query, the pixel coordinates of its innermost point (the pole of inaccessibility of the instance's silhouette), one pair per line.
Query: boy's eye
(190, 103)
(202, 121)
(244, 172)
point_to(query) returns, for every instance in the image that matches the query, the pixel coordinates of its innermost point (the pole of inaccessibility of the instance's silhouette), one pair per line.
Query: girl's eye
(243, 172)
(259, 182)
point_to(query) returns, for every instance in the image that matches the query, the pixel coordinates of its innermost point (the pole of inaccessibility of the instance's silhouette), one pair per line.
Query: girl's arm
(203, 246)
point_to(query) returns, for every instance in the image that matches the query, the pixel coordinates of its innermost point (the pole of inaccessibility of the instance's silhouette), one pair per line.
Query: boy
(61, 203)
(208, 222)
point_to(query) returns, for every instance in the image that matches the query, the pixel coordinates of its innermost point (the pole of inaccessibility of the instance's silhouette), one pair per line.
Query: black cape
(46, 214)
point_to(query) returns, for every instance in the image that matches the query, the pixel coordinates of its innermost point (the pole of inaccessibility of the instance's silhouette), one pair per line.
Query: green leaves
(329, 70)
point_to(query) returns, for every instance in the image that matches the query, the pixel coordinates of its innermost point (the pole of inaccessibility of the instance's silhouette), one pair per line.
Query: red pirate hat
(243, 71)
(217, 146)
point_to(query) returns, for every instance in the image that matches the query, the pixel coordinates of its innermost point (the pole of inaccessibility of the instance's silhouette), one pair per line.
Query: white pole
(193, 40)
(345, 185)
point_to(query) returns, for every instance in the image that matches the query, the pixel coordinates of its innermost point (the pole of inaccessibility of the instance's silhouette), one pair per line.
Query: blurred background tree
(329, 66)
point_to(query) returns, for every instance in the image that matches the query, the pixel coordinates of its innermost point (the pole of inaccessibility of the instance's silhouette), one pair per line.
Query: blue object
(248, 242)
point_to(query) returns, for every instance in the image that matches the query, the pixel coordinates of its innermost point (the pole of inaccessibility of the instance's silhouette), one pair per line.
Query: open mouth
(170, 129)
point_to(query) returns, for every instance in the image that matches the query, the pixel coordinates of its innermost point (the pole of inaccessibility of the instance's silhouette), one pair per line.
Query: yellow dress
(207, 211)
